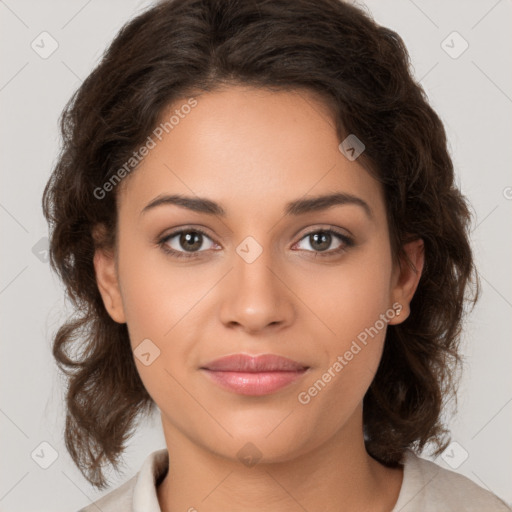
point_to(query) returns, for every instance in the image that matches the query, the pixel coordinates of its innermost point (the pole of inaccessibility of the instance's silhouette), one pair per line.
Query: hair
(361, 71)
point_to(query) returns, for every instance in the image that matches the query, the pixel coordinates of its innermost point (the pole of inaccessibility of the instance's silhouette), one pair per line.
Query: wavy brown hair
(362, 72)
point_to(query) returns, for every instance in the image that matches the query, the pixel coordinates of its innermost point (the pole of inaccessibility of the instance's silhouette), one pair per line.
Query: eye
(190, 242)
(322, 239)
(185, 243)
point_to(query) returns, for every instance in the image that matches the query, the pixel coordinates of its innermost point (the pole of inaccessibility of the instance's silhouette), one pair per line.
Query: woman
(255, 215)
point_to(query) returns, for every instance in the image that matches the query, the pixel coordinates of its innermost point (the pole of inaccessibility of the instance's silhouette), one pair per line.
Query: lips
(254, 364)
(254, 375)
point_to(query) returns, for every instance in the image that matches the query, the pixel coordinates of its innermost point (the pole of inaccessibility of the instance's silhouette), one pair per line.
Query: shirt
(426, 487)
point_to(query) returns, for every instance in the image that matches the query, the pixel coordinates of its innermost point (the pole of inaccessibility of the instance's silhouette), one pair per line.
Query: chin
(279, 443)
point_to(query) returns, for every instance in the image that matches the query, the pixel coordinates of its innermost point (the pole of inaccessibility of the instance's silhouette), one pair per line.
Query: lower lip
(255, 384)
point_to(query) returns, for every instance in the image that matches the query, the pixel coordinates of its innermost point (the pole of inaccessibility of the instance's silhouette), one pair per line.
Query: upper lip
(253, 364)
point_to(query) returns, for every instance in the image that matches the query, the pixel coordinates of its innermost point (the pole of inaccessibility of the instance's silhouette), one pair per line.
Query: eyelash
(347, 243)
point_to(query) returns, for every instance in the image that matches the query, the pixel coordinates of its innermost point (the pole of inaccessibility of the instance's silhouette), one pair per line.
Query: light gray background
(472, 94)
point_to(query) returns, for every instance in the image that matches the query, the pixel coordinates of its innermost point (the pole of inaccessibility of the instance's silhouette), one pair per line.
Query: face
(257, 269)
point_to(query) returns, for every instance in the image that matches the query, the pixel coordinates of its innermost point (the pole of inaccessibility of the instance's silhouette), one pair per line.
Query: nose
(256, 296)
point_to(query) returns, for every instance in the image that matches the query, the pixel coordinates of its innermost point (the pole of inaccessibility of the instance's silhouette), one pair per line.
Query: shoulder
(139, 492)
(119, 500)
(427, 487)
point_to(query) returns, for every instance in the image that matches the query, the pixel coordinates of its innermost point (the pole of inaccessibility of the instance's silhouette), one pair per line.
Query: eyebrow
(295, 208)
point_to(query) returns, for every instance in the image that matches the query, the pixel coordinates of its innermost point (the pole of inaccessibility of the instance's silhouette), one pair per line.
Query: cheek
(161, 303)
(350, 297)
(350, 360)
(352, 301)
(157, 295)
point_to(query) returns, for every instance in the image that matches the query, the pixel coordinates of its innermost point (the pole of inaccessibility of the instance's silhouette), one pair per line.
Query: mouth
(256, 376)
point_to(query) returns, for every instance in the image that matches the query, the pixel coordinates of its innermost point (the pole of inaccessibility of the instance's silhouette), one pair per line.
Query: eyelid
(343, 232)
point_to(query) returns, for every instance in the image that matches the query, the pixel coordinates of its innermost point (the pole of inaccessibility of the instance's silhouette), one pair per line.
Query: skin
(252, 151)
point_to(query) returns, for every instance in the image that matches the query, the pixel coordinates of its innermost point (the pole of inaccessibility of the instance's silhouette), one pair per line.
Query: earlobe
(108, 283)
(408, 276)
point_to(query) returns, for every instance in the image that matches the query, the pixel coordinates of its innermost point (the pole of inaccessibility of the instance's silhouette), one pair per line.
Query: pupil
(322, 238)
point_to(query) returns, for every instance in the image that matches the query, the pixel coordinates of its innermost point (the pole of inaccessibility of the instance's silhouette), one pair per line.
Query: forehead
(248, 148)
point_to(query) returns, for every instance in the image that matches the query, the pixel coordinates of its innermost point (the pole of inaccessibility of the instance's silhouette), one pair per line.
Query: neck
(338, 475)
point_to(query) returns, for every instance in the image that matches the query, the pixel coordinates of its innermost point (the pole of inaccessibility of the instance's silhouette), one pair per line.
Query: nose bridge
(256, 296)
(253, 264)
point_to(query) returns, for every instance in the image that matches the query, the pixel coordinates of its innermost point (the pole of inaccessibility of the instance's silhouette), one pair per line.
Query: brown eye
(191, 240)
(322, 240)
(185, 243)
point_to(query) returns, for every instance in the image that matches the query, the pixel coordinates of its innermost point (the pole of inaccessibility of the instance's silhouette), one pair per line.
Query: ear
(106, 276)
(406, 277)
